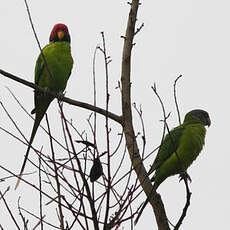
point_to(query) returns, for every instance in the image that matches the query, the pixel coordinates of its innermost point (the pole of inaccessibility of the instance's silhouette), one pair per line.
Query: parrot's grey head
(202, 115)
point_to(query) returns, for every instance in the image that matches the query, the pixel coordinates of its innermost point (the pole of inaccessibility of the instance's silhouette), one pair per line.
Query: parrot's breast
(59, 61)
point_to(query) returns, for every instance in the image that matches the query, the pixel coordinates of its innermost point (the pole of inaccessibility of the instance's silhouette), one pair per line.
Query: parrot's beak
(60, 34)
(209, 122)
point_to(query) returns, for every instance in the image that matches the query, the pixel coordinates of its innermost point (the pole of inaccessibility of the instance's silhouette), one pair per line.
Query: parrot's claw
(185, 176)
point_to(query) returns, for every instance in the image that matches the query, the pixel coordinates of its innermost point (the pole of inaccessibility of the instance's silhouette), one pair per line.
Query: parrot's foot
(60, 95)
(185, 176)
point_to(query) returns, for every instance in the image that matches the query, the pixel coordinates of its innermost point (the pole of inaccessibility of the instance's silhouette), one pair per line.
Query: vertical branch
(94, 95)
(40, 189)
(95, 114)
(164, 113)
(94, 99)
(24, 221)
(131, 142)
(188, 196)
(175, 98)
(106, 62)
(126, 92)
(56, 178)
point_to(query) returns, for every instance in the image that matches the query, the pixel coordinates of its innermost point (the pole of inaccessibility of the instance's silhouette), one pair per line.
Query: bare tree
(70, 184)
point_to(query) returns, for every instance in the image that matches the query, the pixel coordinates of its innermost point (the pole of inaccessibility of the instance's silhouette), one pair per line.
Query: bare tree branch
(61, 216)
(131, 143)
(187, 204)
(65, 99)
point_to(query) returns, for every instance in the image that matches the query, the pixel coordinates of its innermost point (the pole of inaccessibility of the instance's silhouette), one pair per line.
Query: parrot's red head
(59, 33)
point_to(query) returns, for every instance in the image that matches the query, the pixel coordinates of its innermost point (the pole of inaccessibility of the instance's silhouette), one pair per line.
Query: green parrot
(179, 149)
(52, 71)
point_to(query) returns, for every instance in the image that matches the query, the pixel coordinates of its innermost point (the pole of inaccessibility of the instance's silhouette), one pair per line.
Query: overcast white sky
(187, 37)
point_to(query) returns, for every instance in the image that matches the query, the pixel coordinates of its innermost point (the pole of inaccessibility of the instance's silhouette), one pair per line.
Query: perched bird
(52, 71)
(96, 170)
(179, 149)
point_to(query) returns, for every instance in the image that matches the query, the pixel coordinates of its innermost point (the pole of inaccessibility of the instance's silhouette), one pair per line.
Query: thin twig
(139, 28)
(8, 208)
(40, 194)
(25, 222)
(106, 61)
(36, 37)
(175, 98)
(139, 111)
(33, 186)
(33, 215)
(95, 114)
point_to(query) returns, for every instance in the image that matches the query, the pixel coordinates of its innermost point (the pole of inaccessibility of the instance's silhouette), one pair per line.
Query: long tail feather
(35, 128)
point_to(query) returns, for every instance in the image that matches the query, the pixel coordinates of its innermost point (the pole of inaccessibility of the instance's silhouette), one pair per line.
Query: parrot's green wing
(39, 67)
(59, 61)
(168, 147)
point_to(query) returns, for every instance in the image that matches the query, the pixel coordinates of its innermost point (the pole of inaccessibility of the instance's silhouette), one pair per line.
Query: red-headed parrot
(180, 148)
(52, 71)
